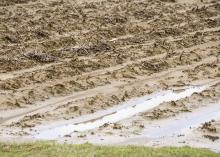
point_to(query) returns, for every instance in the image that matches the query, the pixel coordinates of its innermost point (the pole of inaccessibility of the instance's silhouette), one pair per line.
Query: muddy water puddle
(116, 114)
(184, 123)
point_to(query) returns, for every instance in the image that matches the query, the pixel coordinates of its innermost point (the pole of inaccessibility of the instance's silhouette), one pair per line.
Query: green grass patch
(46, 149)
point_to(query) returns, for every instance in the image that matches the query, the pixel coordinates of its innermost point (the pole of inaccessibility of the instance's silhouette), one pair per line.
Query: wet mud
(61, 61)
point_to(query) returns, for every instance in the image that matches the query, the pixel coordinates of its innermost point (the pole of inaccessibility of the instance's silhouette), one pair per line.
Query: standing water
(141, 105)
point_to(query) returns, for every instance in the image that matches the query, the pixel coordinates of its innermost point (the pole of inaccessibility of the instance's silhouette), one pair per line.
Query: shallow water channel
(116, 114)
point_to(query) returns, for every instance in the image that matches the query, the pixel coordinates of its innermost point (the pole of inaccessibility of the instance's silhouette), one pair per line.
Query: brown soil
(61, 59)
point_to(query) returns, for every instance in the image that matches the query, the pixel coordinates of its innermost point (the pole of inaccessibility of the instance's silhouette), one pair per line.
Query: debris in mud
(40, 57)
(185, 58)
(117, 126)
(209, 126)
(92, 133)
(105, 125)
(159, 113)
(114, 19)
(42, 34)
(173, 103)
(22, 133)
(11, 39)
(13, 2)
(141, 126)
(73, 109)
(212, 138)
(155, 66)
(168, 1)
(67, 135)
(93, 49)
(180, 135)
(81, 136)
(28, 121)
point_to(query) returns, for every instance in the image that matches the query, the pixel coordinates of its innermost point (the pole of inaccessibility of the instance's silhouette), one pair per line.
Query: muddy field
(74, 61)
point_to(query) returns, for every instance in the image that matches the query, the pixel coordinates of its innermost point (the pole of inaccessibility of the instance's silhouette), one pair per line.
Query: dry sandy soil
(62, 59)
